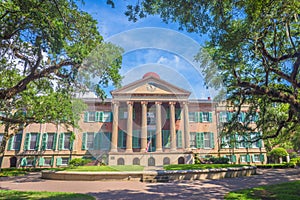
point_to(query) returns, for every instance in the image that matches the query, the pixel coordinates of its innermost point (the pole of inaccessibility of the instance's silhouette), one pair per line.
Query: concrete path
(202, 189)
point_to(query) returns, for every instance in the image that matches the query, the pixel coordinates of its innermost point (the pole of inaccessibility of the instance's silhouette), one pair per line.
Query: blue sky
(151, 45)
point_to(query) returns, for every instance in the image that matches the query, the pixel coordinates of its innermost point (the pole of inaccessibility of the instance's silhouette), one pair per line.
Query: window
(136, 139)
(50, 142)
(201, 140)
(90, 141)
(205, 116)
(256, 158)
(225, 142)
(121, 139)
(200, 116)
(107, 116)
(258, 143)
(65, 161)
(92, 116)
(179, 139)
(151, 118)
(14, 142)
(223, 117)
(47, 161)
(30, 161)
(192, 117)
(245, 158)
(32, 141)
(64, 141)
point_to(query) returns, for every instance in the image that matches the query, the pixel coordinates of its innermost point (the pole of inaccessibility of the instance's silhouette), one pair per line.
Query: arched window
(120, 161)
(151, 162)
(181, 160)
(166, 161)
(136, 161)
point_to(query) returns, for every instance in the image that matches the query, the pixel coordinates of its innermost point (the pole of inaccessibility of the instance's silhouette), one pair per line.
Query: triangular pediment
(150, 86)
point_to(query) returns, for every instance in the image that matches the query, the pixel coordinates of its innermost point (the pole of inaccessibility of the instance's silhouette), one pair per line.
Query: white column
(186, 126)
(114, 138)
(172, 126)
(129, 127)
(158, 127)
(144, 126)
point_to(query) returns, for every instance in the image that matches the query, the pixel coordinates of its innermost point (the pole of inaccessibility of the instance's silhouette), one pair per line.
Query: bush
(221, 160)
(79, 162)
(278, 152)
(277, 166)
(295, 161)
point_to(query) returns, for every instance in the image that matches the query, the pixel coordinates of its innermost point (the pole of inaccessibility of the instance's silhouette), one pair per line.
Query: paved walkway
(202, 189)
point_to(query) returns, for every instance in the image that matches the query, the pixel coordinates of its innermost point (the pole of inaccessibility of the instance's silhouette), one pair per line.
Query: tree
(253, 49)
(49, 50)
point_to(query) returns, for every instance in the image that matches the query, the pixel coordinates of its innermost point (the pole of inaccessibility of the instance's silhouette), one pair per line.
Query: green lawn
(199, 166)
(23, 171)
(283, 191)
(106, 168)
(12, 194)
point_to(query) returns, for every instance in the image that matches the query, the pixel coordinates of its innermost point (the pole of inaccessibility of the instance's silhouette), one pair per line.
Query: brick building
(149, 122)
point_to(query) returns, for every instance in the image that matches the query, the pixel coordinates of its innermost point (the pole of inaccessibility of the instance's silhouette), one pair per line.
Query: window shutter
(133, 113)
(248, 158)
(166, 138)
(196, 114)
(168, 113)
(259, 141)
(212, 142)
(83, 147)
(179, 139)
(58, 161)
(178, 113)
(233, 158)
(262, 157)
(256, 117)
(101, 116)
(98, 137)
(210, 116)
(120, 139)
(37, 143)
(229, 116)
(44, 141)
(135, 139)
(237, 143)
(199, 142)
(52, 161)
(111, 117)
(253, 158)
(243, 116)
(10, 142)
(200, 117)
(54, 141)
(27, 140)
(86, 117)
(41, 161)
(24, 162)
(220, 116)
(61, 141)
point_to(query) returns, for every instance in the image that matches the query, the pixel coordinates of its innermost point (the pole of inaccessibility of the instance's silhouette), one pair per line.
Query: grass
(199, 166)
(106, 168)
(23, 171)
(283, 191)
(33, 195)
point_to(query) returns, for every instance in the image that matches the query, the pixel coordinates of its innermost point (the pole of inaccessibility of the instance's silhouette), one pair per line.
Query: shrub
(221, 160)
(277, 166)
(278, 152)
(79, 162)
(196, 159)
(295, 161)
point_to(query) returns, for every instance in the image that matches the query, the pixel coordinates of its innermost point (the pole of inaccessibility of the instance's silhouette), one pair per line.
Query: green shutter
(54, 141)
(61, 141)
(262, 157)
(233, 158)
(10, 142)
(256, 117)
(237, 143)
(24, 162)
(166, 138)
(196, 114)
(83, 147)
(199, 140)
(253, 157)
(179, 139)
(52, 161)
(168, 113)
(121, 139)
(229, 116)
(37, 143)
(111, 117)
(248, 158)
(135, 139)
(133, 113)
(259, 141)
(200, 119)
(19, 146)
(27, 141)
(212, 141)
(58, 161)
(178, 113)
(41, 161)
(44, 141)
(243, 116)
(210, 116)
(220, 116)
(86, 117)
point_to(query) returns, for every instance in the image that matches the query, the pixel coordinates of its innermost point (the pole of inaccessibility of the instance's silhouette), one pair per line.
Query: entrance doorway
(13, 161)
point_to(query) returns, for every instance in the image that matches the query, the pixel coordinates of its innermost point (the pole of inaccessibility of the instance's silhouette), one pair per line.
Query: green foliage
(277, 166)
(278, 152)
(34, 195)
(199, 166)
(252, 53)
(295, 161)
(282, 191)
(107, 168)
(79, 162)
(220, 160)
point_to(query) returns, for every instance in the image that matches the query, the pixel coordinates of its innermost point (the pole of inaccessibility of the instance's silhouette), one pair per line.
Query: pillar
(158, 127)
(144, 126)
(186, 125)
(172, 126)
(114, 138)
(129, 127)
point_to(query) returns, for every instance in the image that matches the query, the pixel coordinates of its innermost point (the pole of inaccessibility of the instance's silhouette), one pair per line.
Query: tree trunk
(3, 143)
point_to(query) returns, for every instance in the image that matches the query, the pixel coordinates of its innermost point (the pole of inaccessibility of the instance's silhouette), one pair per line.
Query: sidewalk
(202, 189)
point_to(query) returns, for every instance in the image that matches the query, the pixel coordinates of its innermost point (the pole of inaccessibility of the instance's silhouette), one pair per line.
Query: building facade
(149, 122)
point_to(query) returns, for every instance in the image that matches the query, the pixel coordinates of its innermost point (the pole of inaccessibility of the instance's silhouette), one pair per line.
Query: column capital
(185, 103)
(130, 102)
(144, 102)
(158, 102)
(115, 103)
(172, 102)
